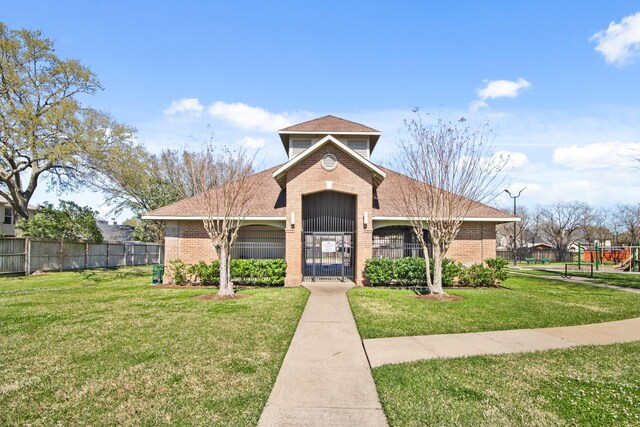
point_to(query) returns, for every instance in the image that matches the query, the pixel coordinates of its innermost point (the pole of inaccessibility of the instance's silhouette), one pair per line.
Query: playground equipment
(625, 258)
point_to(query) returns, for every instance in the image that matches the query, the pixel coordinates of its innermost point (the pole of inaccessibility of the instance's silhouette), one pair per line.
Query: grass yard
(586, 386)
(104, 348)
(627, 280)
(527, 302)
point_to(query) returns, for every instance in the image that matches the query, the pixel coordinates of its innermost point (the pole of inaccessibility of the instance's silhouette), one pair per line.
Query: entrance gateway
(328, 236)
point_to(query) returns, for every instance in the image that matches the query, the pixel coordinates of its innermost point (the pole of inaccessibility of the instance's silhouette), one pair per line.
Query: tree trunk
(226, 287)
(437, 269)
(427, 262)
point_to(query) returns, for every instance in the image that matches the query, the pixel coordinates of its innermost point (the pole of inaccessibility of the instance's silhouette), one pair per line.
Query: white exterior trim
(319, 144)
(192, 218)
(468, 219)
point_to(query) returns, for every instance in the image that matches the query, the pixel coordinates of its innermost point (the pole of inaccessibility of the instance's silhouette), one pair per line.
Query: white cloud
(498, 89)
(516, 162)
(502, 89)
(251, 143)
(601, 155)
(250, 118)
(188, 106)
(619, 43)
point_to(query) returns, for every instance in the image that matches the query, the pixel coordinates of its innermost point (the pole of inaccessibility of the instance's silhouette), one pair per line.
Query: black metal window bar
(259, 244)
(397, 242)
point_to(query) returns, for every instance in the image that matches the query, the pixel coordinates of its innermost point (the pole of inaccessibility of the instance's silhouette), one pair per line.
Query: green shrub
(178, 270)
(379, 271)
(498, 265)
(408, 271)
(479, 275)
(206, 274)
(270, 272)
(451, 271)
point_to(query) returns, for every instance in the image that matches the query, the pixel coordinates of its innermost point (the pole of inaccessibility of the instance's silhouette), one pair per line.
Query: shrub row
(266, 272)
(411, 272)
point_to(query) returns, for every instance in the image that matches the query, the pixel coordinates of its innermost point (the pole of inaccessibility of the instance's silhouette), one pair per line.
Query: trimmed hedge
(411, 272)
(270, 272)
(266, 272)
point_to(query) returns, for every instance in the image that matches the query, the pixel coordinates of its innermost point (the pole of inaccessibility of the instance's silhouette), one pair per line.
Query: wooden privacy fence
(20, 255)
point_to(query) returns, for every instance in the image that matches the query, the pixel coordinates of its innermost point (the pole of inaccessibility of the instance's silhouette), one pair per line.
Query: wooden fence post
(107, 263)
(60, 258)
(27, 257)
(86, 255)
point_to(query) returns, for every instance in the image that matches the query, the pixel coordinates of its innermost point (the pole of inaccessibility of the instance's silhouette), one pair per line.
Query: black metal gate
(328, 256)
(328, 238)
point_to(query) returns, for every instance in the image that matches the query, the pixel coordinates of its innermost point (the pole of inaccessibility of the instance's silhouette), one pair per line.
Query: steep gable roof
(329, 125)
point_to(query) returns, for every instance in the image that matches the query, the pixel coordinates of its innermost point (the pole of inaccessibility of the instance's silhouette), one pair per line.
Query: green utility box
(157, 273)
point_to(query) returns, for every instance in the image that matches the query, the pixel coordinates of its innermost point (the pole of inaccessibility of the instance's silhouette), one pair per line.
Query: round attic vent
(329, 162)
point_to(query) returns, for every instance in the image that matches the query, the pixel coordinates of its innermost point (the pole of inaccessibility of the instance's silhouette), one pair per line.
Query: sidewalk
(325, 378)
(382, 351)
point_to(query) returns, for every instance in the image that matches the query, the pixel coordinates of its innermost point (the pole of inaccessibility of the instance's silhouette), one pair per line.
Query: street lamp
(514, 223)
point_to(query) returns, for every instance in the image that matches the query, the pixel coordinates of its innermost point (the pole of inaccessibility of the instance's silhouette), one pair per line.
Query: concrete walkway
(325, 378)
(382, 351)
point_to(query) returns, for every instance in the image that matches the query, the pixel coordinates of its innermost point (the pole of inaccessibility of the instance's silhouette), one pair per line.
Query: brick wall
(475, 242)
(187, 241)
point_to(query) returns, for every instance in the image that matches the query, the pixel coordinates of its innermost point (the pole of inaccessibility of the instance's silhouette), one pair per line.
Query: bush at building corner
(266, 272)
(178, 270)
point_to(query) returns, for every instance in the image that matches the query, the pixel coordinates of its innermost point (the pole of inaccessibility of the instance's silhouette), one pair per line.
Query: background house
(8, 218)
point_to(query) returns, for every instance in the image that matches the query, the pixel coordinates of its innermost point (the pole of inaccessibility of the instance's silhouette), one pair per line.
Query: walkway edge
(383, 351)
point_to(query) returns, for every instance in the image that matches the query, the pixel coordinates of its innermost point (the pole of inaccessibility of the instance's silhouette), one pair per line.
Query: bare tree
(186, 171)
(526, 229)
(595, 225)
(561, 222)
(628, 218)
(453, 168)
(223, 178)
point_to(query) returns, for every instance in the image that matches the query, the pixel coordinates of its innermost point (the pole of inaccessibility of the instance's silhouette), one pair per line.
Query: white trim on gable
(279, 174)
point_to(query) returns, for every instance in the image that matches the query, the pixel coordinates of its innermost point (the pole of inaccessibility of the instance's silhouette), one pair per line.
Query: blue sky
(558, 81)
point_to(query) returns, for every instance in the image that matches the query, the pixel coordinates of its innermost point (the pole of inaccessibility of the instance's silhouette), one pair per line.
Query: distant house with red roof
(325, 211)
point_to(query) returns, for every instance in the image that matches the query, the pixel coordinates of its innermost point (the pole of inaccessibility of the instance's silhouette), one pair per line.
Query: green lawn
(104, 348)
(527, 302)
(586, 386)
(627, 280)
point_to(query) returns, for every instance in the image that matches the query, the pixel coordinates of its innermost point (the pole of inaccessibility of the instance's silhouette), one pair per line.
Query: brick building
(326, 210)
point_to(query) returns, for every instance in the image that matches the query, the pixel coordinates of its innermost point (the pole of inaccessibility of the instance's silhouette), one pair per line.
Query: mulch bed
(216, 297)
(438, 297)
(172, 286)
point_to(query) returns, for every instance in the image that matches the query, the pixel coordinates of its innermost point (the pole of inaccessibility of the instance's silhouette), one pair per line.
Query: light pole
(514, 223)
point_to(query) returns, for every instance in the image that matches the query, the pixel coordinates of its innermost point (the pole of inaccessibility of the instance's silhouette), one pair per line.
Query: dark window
(8, 215)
